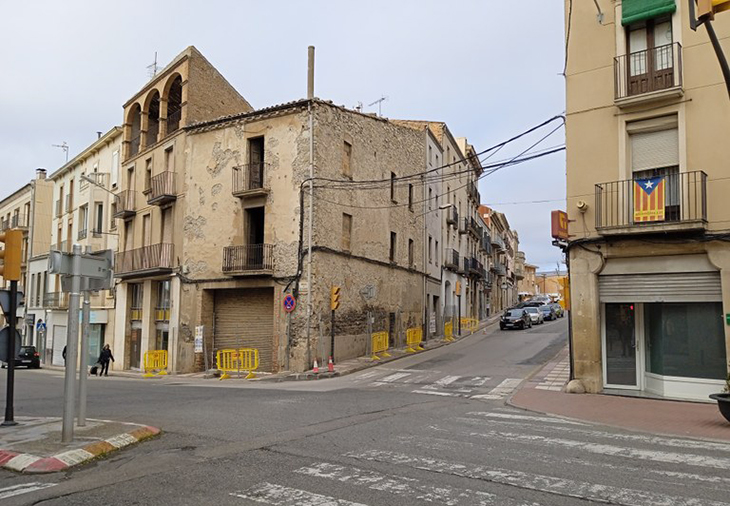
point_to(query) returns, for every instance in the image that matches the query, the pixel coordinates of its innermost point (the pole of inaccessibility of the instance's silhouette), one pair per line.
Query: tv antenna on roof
(380, 104)
(153, 68)
(64, 147)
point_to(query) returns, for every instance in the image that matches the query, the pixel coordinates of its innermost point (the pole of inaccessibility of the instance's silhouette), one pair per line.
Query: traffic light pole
(9, 396)
(72, 339)
(332, 338)
(720, 55)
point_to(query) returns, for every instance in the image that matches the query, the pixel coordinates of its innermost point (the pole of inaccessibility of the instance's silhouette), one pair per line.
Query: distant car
(548, 313)
(559, 311)
(515, 319)
(535, 315)
(532, 303)
(28, 357)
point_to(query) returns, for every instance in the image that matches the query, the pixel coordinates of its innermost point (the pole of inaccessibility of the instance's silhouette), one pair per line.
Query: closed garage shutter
(674, 287)
(245, 319)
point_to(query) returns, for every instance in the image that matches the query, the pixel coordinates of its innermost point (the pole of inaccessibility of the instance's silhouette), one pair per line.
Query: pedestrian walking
(64, 356)
(104, 358)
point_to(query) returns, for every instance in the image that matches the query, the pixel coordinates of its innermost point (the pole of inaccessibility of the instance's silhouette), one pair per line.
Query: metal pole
(458, 313)
(309, 230)
(84, 362)
(72, 338)
(720, 55)
(332, 340)
(9, 397)
(288, 340)
(369, 344)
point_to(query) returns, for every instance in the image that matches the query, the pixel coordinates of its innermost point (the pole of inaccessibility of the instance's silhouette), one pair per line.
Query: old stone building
(647, 179)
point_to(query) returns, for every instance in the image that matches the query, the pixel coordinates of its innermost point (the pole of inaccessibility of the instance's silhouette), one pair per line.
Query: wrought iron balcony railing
(451, 260)
(248, 259)
(249, 179)
(147, 260)
(126, 204)
(651, 70)
(162, 188)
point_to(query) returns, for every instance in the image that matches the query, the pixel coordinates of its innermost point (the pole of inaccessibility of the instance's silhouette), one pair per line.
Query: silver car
(535, 315)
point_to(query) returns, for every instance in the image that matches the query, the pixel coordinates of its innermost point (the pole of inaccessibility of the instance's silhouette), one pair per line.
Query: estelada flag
(649, 199)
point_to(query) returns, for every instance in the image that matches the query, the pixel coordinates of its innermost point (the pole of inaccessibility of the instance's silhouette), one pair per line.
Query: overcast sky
(488, 68)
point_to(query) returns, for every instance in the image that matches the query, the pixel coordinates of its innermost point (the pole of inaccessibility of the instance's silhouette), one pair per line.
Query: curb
(309, 375)
(28, 463)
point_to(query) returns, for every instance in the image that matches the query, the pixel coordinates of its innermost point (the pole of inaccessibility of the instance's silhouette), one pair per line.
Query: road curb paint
(28, 463)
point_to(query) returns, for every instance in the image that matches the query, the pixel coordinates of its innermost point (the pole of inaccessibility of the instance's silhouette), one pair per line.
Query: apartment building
(152, 191)
(29, 209)
(82, 191)
(527, 286)
(647, 113)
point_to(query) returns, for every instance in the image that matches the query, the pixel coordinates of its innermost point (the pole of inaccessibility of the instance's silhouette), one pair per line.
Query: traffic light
(11, 254)
(706, 9)
(334, 297)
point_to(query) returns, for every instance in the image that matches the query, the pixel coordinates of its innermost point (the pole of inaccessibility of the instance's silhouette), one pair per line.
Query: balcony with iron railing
(55, 300)
(152, 260)
(499, 269)
(486, 243)
(59, 208)
(498, 242)
(475, 228)
(69, 202)
(249, 180)
(452, 215)
(463, 225)
(126, 204)
(83, 233)
(451, 260)
(651, 74)
(248, 260)
(473, 191)
(162, 189)
(173, 121)
(677, 204)
(475, 267)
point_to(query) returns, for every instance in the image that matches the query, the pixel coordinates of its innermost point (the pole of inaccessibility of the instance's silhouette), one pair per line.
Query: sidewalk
(353, 365)
(543, 393)
(34, 445)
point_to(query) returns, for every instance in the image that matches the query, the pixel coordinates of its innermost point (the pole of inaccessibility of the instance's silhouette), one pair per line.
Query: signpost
(79, 272)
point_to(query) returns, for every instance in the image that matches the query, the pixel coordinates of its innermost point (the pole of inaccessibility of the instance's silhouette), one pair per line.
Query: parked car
(559, 311)
(548, 313)
(515, 319)
(28, 357)
(535, 315)
(532, 303)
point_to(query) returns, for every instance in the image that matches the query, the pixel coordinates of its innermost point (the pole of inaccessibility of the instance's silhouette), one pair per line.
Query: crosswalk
(436, 383)
(526, 460)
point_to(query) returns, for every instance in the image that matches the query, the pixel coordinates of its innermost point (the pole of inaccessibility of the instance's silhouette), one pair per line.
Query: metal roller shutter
(674, 287)
(245, 319)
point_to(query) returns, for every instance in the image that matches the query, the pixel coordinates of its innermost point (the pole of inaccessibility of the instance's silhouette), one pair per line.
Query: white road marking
(434, 392)
(541, 483)
(366, 375)
(446, 380)
(391, 378)
(612, 450)
(500, 391)
(480, 381)
(526, 418)
(23, 488)
(408, 487)
(279, 495)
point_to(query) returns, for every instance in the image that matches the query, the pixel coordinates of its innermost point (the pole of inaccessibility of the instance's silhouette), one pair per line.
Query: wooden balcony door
(651, 57)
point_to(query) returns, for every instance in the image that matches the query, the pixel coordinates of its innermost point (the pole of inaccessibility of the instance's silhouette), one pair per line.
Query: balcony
(475, 267)
(452, 215)
(162, 314)
(248, 180)
(463, 225)
(15, 221)
(59, 208)
(451, 260)
(249, 260)
(83, 234)
(152, 260)
(684, 206)
(472, 191)
(475, 228)
(69, 202)
(498, 242)
(486, 243)
(652, 74)
(162, 189)
(499, 269)
(55, 300)
(126, 204)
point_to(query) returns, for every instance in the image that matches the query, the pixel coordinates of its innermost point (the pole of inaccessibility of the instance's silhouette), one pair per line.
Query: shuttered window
(652, 150)
(634, 11)
(674, 287)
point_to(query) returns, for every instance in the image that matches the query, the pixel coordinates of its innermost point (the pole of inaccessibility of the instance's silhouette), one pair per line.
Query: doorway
(620, 360)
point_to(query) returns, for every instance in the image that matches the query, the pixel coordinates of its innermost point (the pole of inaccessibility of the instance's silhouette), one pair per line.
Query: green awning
(634, 11)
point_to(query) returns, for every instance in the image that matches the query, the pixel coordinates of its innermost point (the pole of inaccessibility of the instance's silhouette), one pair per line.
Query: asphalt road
(428, 429)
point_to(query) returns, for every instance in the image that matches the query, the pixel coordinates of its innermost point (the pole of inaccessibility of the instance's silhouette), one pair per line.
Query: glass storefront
(685, 339)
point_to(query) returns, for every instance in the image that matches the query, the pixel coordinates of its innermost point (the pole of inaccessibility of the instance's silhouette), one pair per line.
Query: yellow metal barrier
(469, 324)
(414, 337)
(243, 359)
(449, 331)
(155, 360)
(380, 345)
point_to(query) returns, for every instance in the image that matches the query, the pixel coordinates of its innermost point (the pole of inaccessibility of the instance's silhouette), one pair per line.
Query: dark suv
(28, 357)
(515, 319)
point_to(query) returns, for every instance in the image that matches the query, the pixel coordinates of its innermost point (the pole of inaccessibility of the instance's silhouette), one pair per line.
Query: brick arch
(134, 120)
(152, 111)
(172, 96)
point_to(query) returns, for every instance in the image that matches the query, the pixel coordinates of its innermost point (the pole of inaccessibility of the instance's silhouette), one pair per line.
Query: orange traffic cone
(331, 366)
(315, 369)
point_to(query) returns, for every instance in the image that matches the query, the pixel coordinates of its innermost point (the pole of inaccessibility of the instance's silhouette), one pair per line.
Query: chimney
(310, 73)
(40, 173)
(98, 135)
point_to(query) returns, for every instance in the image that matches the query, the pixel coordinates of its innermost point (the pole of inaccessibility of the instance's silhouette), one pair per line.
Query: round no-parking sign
(289, 303)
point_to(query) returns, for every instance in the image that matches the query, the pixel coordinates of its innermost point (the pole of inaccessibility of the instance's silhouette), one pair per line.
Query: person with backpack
(104, 358)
